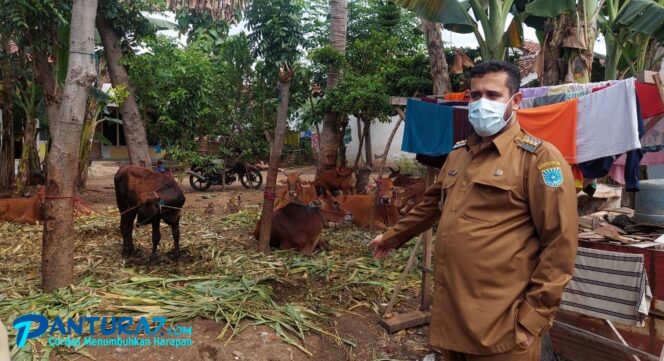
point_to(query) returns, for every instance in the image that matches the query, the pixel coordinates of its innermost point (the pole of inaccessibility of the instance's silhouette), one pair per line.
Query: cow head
(332, 210)
(293, 183)
(384, 188)
(394, 172)
(308, 192)
(148, 205)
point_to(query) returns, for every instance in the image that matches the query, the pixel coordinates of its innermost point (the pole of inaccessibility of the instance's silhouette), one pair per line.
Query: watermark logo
(71, 331)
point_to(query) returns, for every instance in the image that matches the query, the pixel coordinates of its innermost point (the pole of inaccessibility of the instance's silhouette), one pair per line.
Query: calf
(152, 197)
(385, 212)
(410, 196)
(403, 180)
(298, 227)
(342, 178)
(292, 190)
(23, 210)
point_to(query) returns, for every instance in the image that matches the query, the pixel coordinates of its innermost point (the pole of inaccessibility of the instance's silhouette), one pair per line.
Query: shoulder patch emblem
(552, 176)
(459, 144)
(528, 143)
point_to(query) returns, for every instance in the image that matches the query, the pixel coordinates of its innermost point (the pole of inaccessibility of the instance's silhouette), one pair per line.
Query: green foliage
(328, 57)
(128, 20)
(203, 30)
(276, 31)
(364, 97)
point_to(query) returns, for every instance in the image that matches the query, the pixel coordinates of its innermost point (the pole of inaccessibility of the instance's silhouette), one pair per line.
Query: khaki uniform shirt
(505, 244)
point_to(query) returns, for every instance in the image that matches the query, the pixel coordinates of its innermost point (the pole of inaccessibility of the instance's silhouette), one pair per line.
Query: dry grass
(221, 277)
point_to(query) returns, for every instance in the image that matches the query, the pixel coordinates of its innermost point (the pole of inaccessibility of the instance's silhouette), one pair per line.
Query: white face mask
(488, 116)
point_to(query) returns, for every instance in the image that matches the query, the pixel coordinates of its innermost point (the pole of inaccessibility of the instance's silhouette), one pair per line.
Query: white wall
(380, 132)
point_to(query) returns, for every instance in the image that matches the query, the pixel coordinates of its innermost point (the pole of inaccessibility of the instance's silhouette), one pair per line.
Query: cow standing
(340, 178)
(298, 227)
(152, 197)
(385, 212)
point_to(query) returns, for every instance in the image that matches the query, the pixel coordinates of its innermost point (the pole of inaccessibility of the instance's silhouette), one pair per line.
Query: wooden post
(425, 294)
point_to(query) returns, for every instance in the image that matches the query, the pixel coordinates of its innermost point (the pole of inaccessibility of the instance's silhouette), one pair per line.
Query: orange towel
(555, 123)
(457, 97)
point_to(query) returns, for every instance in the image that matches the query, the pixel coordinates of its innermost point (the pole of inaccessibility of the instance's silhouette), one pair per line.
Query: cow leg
(307, 247)
(126, 227)
(156, 237)
(175, 228)
(322, 244)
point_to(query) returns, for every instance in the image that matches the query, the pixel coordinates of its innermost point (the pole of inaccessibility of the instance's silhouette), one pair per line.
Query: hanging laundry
(649, 99)
(428, 128)
(534, 92)
(462, 127)
(555, 123)
(543, 100)
(608, 123)
(292, 138)
(564, 88)
(459, 96)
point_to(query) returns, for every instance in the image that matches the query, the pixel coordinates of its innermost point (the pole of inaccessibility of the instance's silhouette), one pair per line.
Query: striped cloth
(609, 285)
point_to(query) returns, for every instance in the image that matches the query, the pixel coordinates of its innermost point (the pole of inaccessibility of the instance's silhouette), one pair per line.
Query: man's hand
(381, 250)
(529, 336)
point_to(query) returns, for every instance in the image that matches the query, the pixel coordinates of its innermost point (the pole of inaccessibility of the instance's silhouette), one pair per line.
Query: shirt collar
(500, 142)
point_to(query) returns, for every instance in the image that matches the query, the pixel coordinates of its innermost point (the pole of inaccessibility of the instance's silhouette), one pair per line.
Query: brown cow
(308, 193)
(152, 197)
(298, 227)
(23, 210)
(341, 178)
(292, 190)
(403, 180)
(360, 205)
(410, 196)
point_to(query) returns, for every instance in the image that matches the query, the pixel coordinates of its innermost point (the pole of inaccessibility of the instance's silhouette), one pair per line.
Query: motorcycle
(202, 177)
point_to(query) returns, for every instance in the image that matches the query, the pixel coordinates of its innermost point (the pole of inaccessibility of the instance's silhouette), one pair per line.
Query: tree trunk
(7, 133)
(439, 69)
(134, 128)
(51, 90)
(25, 166)
(360, 136)
(58, 239)
(342, 146)
(275, 155)
(87, 135)
(568, 46)
(367, 143)
(331, 131)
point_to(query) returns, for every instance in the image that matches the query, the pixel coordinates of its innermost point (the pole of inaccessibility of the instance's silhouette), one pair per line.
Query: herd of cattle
(302, 208)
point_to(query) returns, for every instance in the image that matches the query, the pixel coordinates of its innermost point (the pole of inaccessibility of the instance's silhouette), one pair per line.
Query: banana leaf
(642, 16)
(451, 13)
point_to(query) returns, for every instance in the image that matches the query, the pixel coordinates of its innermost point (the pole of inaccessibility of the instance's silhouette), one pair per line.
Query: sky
(450, 38)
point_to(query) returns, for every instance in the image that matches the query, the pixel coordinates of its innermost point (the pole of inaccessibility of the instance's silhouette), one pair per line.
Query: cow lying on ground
(152, 197)
(298, 227)
(291, 192)
(385, 212)
(409, 196)
(403, 180)
(340, 178)
(23, 210)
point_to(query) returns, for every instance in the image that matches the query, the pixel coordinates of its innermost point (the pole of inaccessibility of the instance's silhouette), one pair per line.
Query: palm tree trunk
(58, 236)
(134, 128)
(275, 155)
(331, 131)
(7, 134)
(368, 154)
(439, 69)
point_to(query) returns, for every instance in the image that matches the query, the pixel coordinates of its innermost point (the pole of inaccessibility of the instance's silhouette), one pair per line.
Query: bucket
(649, 202)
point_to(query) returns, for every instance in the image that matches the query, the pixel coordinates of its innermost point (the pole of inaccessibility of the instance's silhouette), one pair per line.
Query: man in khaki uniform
(507, 236)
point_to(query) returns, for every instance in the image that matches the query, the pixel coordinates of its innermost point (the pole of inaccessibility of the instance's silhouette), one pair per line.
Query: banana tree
(633, 29)
(29, 100)
(490, 19)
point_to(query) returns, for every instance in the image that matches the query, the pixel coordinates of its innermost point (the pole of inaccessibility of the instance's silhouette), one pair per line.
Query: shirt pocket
(446, 187)
(488, 200)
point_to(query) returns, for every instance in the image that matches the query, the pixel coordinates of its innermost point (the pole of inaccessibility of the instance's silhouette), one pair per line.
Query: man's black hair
(512, 71)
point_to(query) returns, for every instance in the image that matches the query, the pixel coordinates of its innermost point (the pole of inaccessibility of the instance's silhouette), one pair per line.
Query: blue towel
(429, 128)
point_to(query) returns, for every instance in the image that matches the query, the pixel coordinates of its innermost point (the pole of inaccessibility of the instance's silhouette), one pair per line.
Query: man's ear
(516, 100)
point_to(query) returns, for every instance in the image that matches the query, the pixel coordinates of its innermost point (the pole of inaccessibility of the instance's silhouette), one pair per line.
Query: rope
(270, 195)
(92, 55)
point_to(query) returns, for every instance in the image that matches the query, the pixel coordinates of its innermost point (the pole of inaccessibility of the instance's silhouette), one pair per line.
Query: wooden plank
(646, 76)
(615, 332)
(589, 222)
(403, 321)
(426, 298)
(609, 345)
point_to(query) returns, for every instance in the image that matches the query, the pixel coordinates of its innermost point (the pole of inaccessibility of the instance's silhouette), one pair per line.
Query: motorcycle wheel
(251, 179)
(198, 184)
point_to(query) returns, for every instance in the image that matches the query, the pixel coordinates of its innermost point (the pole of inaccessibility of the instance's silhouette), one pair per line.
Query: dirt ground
(258, 343)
